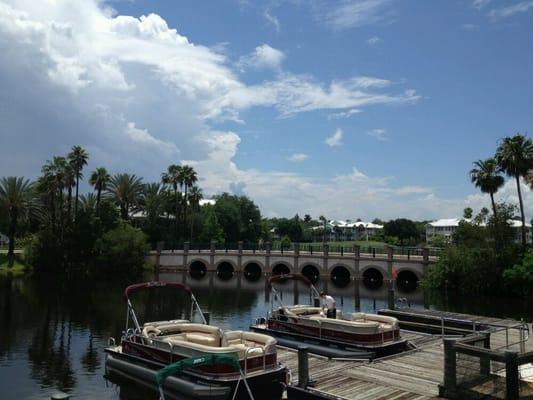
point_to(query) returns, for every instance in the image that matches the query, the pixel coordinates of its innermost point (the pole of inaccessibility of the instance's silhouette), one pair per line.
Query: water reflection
(54, 329)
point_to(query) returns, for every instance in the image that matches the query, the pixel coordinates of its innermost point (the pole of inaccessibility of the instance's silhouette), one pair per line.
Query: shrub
(44, 250)
(520, 276)
(122, 247)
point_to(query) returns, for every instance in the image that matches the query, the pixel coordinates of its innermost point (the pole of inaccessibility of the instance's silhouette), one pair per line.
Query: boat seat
(206, 340)
(299, 310)
(367, 327)
(385, 321)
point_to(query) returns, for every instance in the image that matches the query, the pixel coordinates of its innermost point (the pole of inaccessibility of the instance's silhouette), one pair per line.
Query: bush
(520, 276)
(44, 250)
(122, 247)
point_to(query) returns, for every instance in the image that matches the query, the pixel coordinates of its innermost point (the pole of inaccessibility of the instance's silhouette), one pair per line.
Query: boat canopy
(148, 285)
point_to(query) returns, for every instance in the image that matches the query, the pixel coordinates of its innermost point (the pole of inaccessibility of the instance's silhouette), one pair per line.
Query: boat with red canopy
(146, 349)
(361, 335)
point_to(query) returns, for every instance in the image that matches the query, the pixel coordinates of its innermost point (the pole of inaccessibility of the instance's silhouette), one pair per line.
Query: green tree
(16, 200)
(239, 217)
(77, 158)
(53, 182)
(468, 212)
(486, 176)
(125, 190)
(402, 228)
(99, 179)
(123, 246)
(515, 157)
(520, 277)
(211, 229)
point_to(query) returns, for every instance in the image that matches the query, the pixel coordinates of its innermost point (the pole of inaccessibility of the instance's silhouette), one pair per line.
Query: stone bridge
(373, 268)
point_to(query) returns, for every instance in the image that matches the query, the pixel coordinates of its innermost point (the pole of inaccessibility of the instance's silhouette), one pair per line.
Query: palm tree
(53, 183)
(99, 179)
(152, 200)
(189, 178)
(88, 201)
(486, 176)
(515, 157)
(15, 198)
(78, 159)
(174, 177)
(195, 195)
(125, 190)
(70, 182)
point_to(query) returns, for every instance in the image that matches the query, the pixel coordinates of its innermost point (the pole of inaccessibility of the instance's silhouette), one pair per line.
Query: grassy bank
(19, 266)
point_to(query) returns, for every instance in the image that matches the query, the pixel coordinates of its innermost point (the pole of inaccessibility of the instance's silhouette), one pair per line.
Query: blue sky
(352, 109)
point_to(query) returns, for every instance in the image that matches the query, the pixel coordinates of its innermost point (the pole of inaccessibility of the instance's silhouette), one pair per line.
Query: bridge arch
(372, 277)
(340, 275)
(407, 280)
(281, 268)
(253, 270)
(311, 271)
(225, 269)
(197, 268)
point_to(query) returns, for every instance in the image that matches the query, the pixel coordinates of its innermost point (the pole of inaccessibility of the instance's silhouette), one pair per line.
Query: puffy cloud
(272, 20)
(298, 157)
(344, 114)
(131, 89)
(263, 56)
(379, 134)
(374, 40)
(352, 13)
(480, 3)
(509, 11)
(335, 139)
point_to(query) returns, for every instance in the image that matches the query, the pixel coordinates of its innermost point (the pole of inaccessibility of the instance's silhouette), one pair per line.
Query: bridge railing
(309, 248)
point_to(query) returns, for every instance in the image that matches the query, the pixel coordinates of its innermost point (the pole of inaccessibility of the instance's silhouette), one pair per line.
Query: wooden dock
(411, 375)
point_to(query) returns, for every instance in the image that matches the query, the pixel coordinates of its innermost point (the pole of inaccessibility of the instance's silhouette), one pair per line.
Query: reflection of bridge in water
(374, 268)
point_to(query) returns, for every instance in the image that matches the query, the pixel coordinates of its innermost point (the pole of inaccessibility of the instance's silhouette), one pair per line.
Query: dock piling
(303, 366)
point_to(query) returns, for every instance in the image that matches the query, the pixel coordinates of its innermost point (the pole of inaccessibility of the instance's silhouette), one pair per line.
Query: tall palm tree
(174, 178)
(152, 201)
(99, 179)
(54, 175)
(15, 198)
(70, 182)
(486, 176)
(189, 178)
(195, 195)
(515, 157)
(125, 190)
(78, 159)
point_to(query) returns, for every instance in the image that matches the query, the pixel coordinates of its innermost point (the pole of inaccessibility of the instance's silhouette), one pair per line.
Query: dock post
(450, 369)
(391, 299)
(207, 316)
(357, 277)
(303, 366)
(512, 387)
(484, 362)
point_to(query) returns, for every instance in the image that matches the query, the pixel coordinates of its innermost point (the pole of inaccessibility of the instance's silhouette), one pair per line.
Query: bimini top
(148, 285)
(294, 277)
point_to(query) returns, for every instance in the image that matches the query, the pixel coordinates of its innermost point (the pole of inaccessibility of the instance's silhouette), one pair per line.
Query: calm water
(53, 331)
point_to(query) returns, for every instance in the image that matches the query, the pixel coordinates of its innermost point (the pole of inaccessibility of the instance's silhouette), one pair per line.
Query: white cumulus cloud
(335, 139)
(298, 157)
(262, 57)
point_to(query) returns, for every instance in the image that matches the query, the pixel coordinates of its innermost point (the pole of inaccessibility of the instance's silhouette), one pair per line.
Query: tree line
(484, 256)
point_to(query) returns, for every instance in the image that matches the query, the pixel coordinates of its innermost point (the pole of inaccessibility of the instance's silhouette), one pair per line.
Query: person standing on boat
(329, 303)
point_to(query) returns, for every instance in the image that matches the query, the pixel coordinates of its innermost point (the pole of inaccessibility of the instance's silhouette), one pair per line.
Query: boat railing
(246, 353)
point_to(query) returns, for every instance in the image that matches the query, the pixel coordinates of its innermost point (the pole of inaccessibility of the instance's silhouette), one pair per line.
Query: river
(54, 329)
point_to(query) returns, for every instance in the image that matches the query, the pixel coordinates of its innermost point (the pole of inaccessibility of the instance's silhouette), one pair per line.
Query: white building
(447, 227)
(345, 230)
